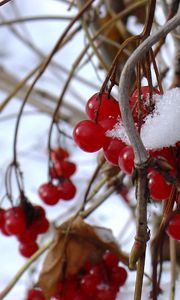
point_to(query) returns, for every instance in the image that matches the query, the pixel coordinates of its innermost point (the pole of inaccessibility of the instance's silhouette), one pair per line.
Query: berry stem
(172, 247)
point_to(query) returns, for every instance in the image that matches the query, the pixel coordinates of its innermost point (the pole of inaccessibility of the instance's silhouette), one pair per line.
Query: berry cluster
(90, 135)
(26, 223)
(103, 111)
(60, 186)
(100, 281)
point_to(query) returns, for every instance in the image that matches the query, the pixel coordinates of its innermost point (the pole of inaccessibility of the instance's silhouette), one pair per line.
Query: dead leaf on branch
(75, 243)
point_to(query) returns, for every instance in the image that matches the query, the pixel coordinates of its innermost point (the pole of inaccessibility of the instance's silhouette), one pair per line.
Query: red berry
(173, 228)
(35, 294)
(49, 193)
(112, 149)
(28, 236)
(15, 222)
(97, 272)
(28, 249)
(63, 168)
(126, 160)
(40, 212)
(144, 104)
(108, 123)
(166, 153)
(79, 295)
(118, 276)
(2, 220)
(89, 136)
(40, 225)
(158, 187)
(5, 232)
(106, 294)
(89, 284)
(101, 107)
(67, 190)
(59, 154)
(110, 259)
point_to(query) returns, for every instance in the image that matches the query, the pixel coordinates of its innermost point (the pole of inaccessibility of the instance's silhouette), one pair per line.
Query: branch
(2, 2)
(141, 157)
(125, 83)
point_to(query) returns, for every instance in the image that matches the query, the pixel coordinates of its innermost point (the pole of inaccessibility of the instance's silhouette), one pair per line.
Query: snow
(161, 128)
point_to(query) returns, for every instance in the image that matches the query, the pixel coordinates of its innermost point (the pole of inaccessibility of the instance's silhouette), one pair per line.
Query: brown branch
(141, 156)
(2, 2)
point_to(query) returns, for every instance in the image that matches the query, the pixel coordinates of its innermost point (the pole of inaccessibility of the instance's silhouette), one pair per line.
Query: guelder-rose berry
(159, 188)
(118, 276)
(106, 294)
(28, 249)
(15, 222)
(110, 259)
(63, 168)
(89, 136)
(108, 123)
(49, 193)
(173, 228)
(67, 190)
(2, 220)
(59, 154)
(89, 284)
(28, 236)
(112, 149)
(100, 107)
(145, 106)
(126, 160)
(35, 294)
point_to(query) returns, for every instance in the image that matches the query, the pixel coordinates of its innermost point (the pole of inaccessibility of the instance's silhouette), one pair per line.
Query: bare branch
(2, 2)
(125, 83)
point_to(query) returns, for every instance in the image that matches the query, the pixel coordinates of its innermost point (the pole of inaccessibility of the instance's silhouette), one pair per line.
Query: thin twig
(36, 18)
(172, 247)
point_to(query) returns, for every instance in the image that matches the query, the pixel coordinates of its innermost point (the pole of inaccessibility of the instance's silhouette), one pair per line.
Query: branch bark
(138, 251)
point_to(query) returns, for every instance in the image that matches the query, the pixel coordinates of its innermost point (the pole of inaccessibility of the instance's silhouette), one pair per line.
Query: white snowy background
(32, 142)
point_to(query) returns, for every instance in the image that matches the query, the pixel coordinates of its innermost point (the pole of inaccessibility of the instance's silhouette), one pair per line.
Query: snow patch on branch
(162, 127)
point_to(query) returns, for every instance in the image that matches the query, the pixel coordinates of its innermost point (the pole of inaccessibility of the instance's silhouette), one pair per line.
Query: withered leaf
(75, 243)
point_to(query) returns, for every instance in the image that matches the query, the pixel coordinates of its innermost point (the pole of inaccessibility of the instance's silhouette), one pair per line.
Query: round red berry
(15, 222)
(63, 168)
(89, 284)
(110, 259)
(126, 160)
(28, 236)
(89, 136)
(100, 107)
(59, 154)
(112, 149)
(144, 106)
(106, 294)
(67, 190)
(49, 193)
(2, 220)
(173, 228)
(158, 187)
(35, 294)
(118, 276)
(28, 249)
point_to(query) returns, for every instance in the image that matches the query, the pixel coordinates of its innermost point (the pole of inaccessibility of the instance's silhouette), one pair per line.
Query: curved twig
(2, 2)
(141, 156)
(125, 83)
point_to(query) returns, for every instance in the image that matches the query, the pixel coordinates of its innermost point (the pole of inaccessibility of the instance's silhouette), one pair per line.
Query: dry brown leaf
(74, 244)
